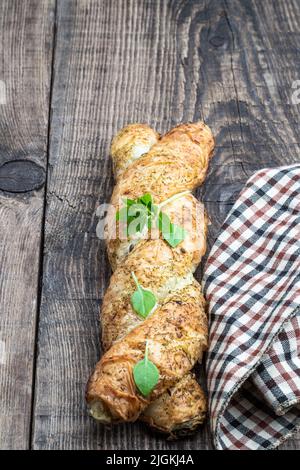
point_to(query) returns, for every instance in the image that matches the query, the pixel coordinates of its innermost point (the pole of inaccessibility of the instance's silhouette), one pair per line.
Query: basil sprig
(141, 213)
(145, 374)
(136, 214)
(143, 301)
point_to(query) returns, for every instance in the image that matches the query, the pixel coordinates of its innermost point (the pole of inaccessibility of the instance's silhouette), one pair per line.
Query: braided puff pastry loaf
(168, 168)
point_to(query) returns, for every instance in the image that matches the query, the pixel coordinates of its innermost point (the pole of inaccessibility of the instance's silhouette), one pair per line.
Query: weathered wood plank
(26, 32)
(158, 62)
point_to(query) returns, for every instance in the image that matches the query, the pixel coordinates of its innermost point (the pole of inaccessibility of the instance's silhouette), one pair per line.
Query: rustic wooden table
(71, 74)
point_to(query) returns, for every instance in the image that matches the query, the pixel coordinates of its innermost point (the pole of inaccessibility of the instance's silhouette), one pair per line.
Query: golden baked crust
(129, 144)
(178, 162)
(177, 330)
(179, 411)
(176, 333)
(158, 267)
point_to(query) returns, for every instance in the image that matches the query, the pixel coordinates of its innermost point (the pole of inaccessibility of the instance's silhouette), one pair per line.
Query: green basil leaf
(129, 202)
(154, 210)
(146, 199)
(172, 233)
(141, 212)
(139, 215)
(176, 236)
(149, 222)
(164, 222)
(145, 374)
(122, 214)
(136, 225)
(142, 300)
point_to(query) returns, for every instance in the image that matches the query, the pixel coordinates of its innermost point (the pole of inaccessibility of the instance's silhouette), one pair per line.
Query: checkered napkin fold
(252, 284)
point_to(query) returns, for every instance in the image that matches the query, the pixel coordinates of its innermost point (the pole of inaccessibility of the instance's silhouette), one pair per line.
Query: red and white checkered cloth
(252, 284)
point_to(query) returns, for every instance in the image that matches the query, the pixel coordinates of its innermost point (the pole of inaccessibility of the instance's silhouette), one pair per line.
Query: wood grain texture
(26, 31)
(161, 62)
